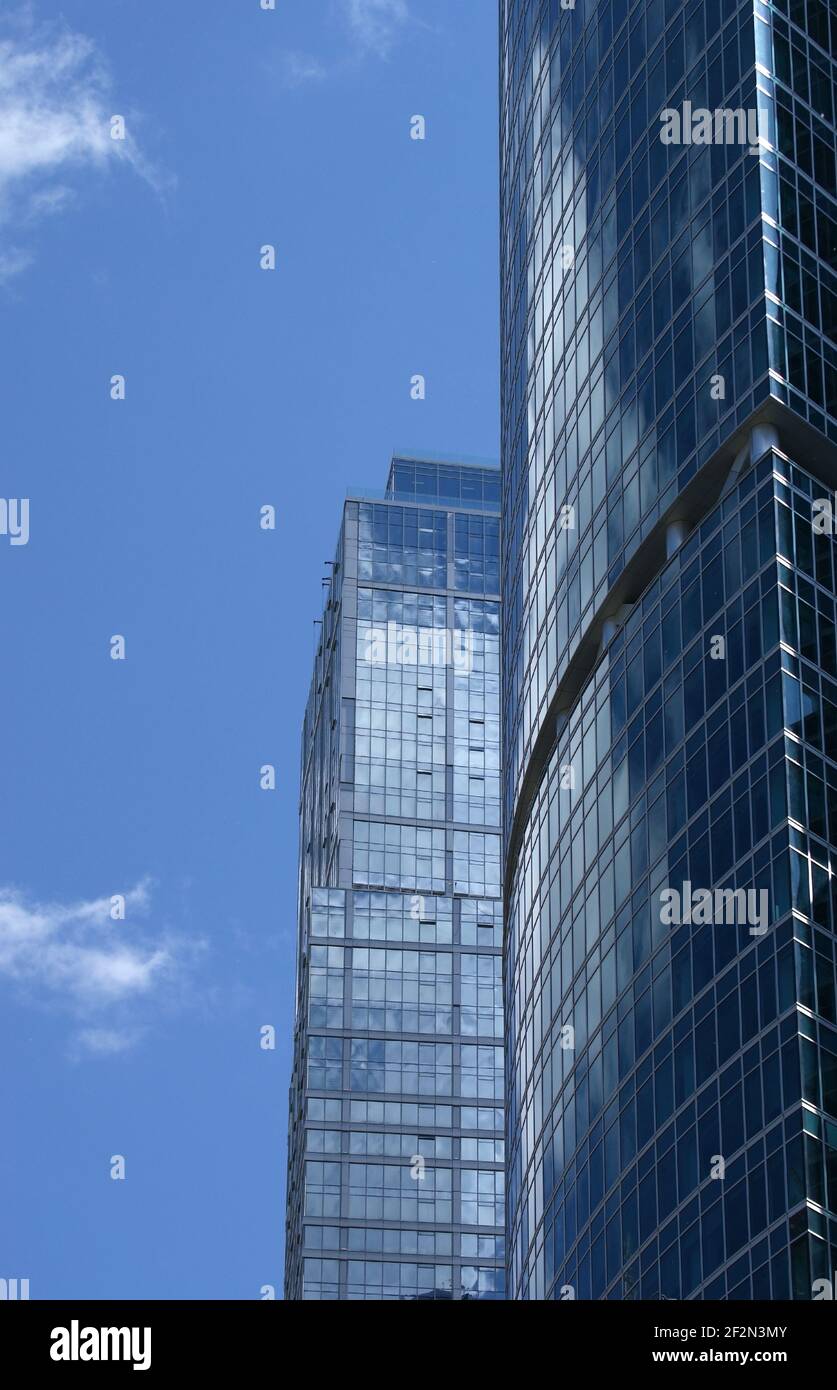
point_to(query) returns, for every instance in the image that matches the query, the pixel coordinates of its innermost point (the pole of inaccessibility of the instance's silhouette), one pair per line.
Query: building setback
(669, 708)
(395, 1173)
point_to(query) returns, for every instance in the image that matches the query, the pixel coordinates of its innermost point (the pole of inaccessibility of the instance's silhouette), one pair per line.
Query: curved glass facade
(669, 379)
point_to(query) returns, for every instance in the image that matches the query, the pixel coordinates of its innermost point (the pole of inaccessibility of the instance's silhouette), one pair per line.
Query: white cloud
(299, 68)
(374, 27)
(104, 1042)
(51, 107)
(12, 261)
(78, 956)
(55, 119)
(376, 24)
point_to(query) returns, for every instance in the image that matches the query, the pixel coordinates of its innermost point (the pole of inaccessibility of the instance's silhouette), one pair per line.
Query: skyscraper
(669, 440)
(395, 1173)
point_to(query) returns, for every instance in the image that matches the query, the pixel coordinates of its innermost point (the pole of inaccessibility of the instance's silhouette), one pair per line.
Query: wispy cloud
(301, 68)
(108, 972)
(12, 262)
(376, 25)
(373, 27)
(104, 1042)
(55, 120)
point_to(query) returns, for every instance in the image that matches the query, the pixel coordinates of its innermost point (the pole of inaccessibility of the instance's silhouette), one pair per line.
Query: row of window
(402, 1192)
(380, 1143)
(425, 918)
(403, 1241)
(409, 856)
(366, 1279)
(332, 1110)
(405, 1067)
(414, 480)
(402, 545)
(405, 991)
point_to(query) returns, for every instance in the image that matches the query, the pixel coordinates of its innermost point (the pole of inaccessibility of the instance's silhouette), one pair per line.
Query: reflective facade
(669, 421)
(395, 1175)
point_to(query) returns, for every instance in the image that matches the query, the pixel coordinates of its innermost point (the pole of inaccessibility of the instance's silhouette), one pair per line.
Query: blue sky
(243, 387)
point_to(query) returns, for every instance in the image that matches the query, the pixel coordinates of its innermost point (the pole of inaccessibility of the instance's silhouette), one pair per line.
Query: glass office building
(669, 708)
(395, 1174)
